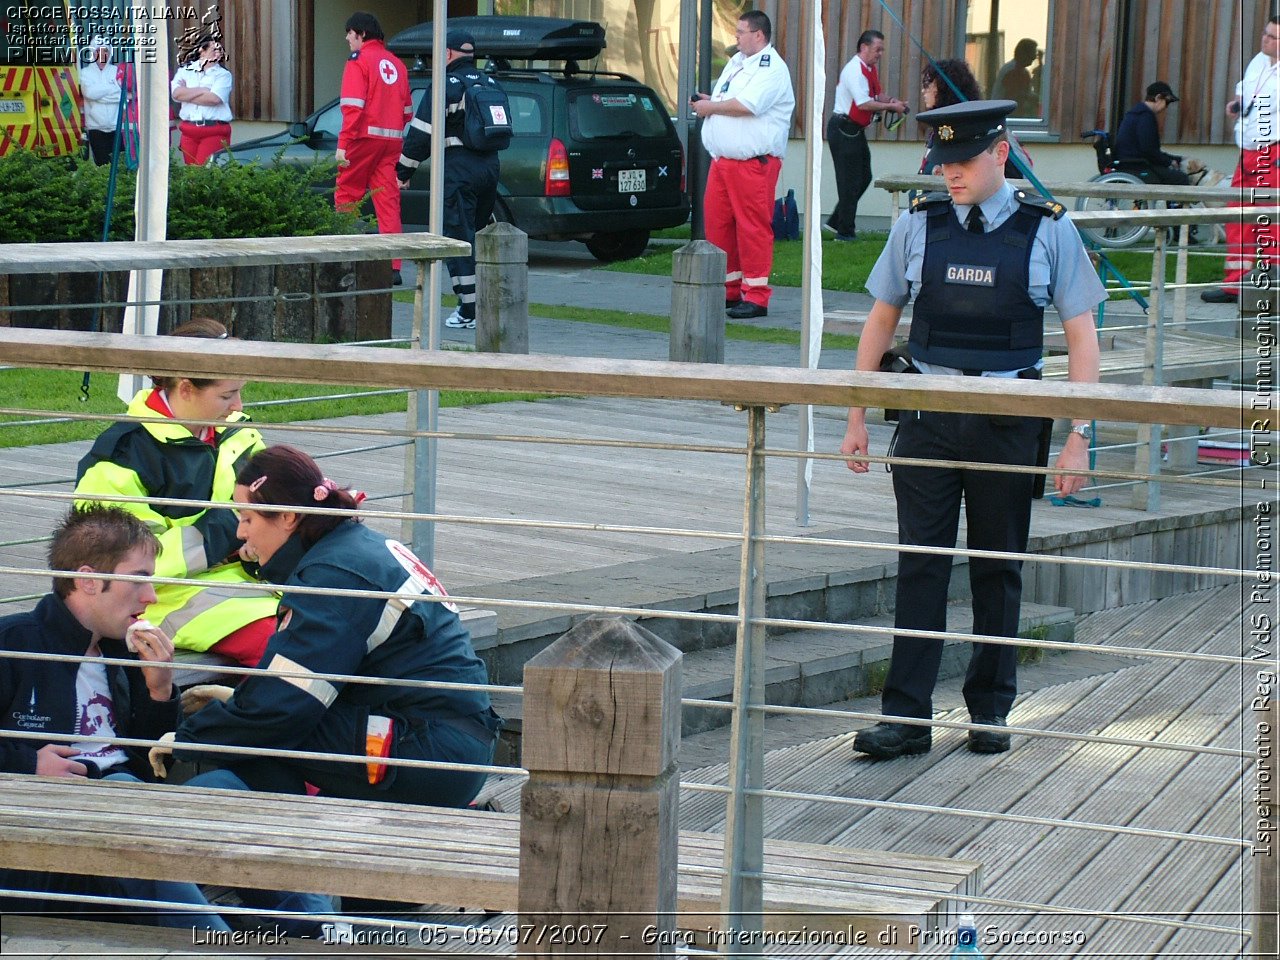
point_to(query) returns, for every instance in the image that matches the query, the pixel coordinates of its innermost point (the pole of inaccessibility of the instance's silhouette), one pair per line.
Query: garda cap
(964, 130)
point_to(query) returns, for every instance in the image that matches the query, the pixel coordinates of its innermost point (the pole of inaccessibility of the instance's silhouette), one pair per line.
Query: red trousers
(738, 214)
(372, 167)
(1248, 241)
(199, 143)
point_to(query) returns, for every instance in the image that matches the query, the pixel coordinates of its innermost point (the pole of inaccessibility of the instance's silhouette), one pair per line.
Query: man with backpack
(477, 125)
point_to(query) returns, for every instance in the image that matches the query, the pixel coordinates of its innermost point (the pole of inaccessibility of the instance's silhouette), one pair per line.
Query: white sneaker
(458, 322)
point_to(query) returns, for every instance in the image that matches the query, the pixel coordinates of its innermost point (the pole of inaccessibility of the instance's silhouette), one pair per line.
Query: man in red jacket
(375, 107)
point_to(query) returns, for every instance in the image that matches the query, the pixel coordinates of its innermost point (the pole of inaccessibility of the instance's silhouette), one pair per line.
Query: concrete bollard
(502, 289)
(598, 828)
(697, 303)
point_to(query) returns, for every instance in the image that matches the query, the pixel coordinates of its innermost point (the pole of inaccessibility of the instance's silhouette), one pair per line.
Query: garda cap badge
(945, 132)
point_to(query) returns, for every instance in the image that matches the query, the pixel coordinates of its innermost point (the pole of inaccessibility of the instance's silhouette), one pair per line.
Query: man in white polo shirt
(745, 125)
(1257, 175)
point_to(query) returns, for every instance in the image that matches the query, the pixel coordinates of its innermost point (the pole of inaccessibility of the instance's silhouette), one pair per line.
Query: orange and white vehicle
(40, 106)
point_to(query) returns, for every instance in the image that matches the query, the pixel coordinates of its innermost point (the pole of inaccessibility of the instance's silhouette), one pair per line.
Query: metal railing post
(1146, 496)
(741, 899)
(423, 414)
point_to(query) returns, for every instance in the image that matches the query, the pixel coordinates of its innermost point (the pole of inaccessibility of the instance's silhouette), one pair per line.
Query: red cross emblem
(418, 571)
(388, 71)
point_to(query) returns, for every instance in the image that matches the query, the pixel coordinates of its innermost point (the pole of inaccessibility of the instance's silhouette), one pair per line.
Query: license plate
(631, 181)
(19, 106)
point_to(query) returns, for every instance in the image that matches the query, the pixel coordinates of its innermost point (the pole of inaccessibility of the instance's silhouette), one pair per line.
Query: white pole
(811, 311)
(151, 203)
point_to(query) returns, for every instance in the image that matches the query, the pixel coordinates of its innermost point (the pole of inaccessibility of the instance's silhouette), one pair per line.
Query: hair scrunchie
(323, 489)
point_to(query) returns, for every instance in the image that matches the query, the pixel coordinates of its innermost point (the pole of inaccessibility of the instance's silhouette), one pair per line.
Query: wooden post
(598, 827)
(697, 298)
(502, 289)
(1266, 859)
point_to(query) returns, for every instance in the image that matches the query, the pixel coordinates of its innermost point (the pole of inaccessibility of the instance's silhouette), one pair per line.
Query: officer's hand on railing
(202, 694)
(1074, 456)
(855, 442)
(159, 753)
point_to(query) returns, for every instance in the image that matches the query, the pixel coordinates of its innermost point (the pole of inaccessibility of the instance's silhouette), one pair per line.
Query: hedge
(63, 199)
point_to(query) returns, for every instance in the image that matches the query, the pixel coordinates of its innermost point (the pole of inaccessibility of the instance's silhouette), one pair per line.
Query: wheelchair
(1110, 171)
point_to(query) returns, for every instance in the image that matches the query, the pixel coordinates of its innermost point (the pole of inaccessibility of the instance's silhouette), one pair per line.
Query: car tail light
(557, 170)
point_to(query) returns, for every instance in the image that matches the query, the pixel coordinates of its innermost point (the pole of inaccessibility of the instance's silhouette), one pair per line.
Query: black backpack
(487, 116)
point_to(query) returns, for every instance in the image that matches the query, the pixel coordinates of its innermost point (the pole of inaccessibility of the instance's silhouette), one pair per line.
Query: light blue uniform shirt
(1059, 271)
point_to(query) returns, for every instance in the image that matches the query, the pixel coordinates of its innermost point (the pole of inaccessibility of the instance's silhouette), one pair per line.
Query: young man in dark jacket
(90, 618)
(1138, 139)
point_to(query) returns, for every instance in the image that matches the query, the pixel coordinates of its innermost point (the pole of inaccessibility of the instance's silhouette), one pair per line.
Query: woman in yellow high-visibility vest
(179, 458)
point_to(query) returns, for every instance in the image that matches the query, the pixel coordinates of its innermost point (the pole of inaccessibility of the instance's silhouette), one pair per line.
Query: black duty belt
(207, 123)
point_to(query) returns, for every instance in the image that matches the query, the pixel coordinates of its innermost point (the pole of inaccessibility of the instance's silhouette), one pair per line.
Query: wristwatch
(1085, 430)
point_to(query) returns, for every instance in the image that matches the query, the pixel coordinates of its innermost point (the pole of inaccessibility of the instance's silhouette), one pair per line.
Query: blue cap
(964, 130)
(460, 40)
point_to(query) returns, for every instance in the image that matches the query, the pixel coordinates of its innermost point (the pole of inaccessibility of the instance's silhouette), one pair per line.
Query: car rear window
(616, 114)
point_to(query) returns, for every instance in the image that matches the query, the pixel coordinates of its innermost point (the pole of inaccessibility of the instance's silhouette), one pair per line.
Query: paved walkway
(565, 274)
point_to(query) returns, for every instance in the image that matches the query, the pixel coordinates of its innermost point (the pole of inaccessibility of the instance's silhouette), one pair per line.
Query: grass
(845, 266)
(59, 390)
(1136, 268)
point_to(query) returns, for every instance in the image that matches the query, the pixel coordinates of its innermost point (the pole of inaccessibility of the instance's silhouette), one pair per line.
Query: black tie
(973, 223)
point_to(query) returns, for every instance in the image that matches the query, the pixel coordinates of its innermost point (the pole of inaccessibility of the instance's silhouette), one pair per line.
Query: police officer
(470, 176)
(982, 264)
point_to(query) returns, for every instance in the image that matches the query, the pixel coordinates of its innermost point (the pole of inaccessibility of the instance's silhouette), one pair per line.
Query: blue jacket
(1139, 138)
(40, 695)
(361, 636)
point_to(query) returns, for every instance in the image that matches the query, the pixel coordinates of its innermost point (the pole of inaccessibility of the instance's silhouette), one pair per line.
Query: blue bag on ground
(786, 218)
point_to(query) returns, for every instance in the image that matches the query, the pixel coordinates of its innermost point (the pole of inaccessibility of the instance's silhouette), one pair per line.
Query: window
(616, 114)
(1005, 45)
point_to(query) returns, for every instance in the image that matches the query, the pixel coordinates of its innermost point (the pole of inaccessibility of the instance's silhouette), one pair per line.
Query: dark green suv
(594, 157)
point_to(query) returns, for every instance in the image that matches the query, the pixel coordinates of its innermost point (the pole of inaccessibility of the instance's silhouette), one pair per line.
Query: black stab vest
(974, 310)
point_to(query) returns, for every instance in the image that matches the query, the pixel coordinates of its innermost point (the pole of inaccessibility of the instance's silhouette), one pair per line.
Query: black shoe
(730, 304)
(1218, 296)
(988, 741)
(396, 279)
(846, 237)
(746, 310)
(885, 741)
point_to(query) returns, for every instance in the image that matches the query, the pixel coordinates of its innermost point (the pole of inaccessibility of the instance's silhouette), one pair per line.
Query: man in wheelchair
(1137, 149)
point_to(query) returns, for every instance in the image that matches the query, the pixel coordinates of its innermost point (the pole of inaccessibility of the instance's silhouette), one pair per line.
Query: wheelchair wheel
(1121, 235)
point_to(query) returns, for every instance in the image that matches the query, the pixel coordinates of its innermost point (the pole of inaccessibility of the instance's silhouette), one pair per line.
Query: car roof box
(512, 38)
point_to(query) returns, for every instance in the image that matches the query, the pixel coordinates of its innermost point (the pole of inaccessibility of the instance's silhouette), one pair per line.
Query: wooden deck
(1071, 869)
(1086, 874)
(1097, 879)
(591, 485)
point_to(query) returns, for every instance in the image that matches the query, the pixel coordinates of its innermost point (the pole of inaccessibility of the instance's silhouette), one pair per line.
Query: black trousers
(470, 190)
(851, 155)
(1154, 173)
(998, 510)
(101, 145)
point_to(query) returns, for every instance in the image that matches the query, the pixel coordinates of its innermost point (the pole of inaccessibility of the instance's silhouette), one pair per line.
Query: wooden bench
(460, 858)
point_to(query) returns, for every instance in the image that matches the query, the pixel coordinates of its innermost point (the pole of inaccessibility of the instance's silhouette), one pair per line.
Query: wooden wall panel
(1198, 46)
